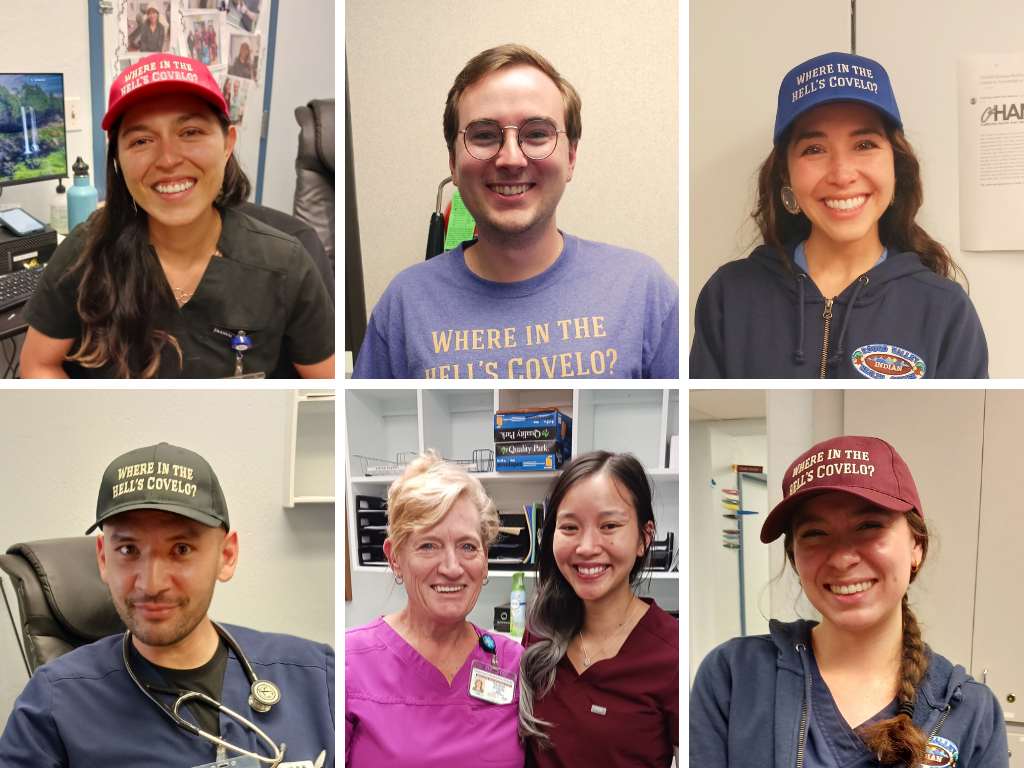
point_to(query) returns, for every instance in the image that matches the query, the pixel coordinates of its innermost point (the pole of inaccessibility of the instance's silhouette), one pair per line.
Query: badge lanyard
(263, 696)
(242, 343)
(489, 682)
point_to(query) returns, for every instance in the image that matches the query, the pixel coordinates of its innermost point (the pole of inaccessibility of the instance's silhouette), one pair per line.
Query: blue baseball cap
(834, 77)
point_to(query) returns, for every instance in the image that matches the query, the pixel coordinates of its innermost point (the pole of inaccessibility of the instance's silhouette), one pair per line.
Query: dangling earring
(789, 201)
(135, 207)
(915, 566)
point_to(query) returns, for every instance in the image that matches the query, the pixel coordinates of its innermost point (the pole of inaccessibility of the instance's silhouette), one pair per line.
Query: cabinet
(385, 427)
(309, 448)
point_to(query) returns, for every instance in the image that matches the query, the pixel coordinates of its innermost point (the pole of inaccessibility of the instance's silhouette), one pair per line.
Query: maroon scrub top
(639, 690)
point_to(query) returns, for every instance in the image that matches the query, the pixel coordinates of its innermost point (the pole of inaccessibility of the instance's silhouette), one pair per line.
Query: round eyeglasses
(485, 138)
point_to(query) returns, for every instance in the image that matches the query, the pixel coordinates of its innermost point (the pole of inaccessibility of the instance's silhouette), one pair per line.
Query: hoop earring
(914, 568)
(399, 580)
(789, 201)
(486, 581)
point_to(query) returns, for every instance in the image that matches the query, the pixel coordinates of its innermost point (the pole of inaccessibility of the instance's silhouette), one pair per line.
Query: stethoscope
(263, 696)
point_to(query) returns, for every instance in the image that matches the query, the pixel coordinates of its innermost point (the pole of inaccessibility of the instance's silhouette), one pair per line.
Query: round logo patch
(940, 751)
(886, 361)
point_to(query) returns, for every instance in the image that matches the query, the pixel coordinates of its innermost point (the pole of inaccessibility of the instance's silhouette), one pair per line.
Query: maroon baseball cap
(861, 466)
(158, 75)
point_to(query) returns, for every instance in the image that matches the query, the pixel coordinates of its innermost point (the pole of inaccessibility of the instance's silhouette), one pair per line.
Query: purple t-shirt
(599, 311)
(400, 710)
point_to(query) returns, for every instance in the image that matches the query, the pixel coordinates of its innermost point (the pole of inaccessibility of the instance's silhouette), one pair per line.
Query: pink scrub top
(400, 710)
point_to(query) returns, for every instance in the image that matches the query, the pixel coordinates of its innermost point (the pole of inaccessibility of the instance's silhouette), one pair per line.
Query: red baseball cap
(861, 466)
(161, 74)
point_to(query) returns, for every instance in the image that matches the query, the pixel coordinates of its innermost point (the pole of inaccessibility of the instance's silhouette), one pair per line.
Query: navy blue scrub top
(830, 741)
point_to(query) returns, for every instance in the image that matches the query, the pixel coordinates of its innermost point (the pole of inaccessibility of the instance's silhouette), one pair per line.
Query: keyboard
(16, 287)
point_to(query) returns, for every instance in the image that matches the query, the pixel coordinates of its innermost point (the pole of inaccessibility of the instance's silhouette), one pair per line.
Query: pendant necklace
(184, 297)
(586, 656)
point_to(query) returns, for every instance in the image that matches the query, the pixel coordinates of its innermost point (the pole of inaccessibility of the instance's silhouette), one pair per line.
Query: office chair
(62, 602)
(314, 170)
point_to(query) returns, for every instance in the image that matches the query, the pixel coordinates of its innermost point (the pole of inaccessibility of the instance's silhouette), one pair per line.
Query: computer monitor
(33, 143)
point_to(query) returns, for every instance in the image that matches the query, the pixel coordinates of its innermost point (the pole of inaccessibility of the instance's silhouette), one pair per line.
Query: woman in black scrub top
(167, 279)
(861, 688)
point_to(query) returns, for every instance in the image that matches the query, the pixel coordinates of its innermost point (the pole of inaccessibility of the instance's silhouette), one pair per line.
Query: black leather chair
(314, 170)
(62, 602)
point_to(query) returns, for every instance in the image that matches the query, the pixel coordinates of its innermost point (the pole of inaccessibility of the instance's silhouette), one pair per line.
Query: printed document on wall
(990, 96)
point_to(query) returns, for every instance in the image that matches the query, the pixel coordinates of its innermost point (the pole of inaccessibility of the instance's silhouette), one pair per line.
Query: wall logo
(886, 361)
(939, 752)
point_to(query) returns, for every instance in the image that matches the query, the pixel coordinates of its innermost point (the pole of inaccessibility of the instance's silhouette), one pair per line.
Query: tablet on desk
(21, 223)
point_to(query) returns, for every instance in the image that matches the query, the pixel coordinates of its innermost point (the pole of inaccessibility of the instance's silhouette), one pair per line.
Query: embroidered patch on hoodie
(886, 361)
(939, 752)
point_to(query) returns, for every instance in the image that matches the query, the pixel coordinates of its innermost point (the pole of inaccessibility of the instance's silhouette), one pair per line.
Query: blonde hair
(428, 488)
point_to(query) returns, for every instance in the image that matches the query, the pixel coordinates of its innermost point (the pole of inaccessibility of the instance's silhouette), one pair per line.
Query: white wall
(303, 70)
(402, 58)
(56, 445)
(49, 37)
(739, 52)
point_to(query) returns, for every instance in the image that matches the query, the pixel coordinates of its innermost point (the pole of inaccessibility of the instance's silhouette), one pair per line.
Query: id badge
(492, 684)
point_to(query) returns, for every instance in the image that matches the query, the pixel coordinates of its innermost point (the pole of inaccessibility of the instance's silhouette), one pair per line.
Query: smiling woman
(846, 283)
(861, 687)
(168, 279)
(589, 637)
(424, 686)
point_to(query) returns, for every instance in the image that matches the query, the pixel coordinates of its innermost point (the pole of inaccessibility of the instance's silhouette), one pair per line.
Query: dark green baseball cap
(166, 478)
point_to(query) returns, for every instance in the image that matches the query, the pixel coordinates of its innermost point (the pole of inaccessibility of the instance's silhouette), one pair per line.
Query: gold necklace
(586, 656)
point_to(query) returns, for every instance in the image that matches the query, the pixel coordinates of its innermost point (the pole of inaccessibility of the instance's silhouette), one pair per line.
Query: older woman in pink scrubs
(424, 686)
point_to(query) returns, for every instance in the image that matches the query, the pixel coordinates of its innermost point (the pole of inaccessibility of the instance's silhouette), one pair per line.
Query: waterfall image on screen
(32, 137)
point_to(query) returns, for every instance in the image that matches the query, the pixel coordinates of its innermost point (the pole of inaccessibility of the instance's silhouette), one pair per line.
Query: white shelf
(309, 459)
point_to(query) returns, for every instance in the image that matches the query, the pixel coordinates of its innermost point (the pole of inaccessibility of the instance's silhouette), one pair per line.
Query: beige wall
(402, 58)
(739, 52)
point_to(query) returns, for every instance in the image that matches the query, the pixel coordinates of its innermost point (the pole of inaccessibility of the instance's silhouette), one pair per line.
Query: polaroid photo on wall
(245, 56)
(146, 26)
(236, 92)
(243, 13)
(201, 37)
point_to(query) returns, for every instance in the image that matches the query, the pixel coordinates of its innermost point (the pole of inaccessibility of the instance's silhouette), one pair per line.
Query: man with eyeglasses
(523, 300)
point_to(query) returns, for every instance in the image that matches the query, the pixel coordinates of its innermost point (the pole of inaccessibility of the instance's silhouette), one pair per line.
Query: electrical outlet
(73, 114)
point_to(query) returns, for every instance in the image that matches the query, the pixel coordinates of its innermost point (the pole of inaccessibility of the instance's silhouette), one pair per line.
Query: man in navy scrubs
(166, 541)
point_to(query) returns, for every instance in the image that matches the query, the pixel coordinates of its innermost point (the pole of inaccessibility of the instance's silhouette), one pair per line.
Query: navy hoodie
(755, 319)
(748, 699)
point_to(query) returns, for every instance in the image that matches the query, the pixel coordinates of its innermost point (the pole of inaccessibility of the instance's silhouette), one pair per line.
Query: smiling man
(165, 543)
(524, 299)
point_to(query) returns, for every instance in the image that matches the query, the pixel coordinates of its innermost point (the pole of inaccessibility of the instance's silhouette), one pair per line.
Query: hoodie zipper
(941, 721)
(824, 350)
(803, 717)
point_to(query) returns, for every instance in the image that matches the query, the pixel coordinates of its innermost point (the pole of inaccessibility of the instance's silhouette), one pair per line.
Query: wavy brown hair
(897, 227)
(124, 300)
(897, 741)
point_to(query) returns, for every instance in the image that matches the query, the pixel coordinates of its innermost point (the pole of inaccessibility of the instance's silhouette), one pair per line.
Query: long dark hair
(555, 611)
(897, 227)
(124, 299)
(897, 741)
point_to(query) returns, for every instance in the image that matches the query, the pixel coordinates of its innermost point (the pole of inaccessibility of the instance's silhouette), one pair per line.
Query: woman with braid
(861, 688)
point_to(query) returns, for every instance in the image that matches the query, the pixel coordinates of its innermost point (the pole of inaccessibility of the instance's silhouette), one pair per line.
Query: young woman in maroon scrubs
(599, 681)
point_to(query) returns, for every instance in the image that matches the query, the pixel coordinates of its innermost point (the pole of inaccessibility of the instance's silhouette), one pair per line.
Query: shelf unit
(384, 423)
(309, 450)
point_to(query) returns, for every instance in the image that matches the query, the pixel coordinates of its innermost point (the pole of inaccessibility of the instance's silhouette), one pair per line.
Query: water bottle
(59, 210)
(82, 197)
(518, 605)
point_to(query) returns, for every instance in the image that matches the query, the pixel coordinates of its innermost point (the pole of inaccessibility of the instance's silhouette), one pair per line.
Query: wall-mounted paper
(990, 105)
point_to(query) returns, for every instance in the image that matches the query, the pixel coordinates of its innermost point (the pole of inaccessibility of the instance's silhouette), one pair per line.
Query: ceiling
(727, 404)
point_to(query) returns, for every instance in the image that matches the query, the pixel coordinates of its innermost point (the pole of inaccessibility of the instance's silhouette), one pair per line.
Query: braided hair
(897, 741)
